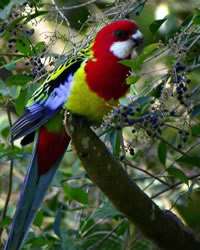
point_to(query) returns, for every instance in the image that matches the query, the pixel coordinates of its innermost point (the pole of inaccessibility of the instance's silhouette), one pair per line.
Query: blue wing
(47, 102)
(39, 113)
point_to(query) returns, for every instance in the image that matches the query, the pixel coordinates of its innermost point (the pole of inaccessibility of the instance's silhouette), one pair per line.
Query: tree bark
(164, 228)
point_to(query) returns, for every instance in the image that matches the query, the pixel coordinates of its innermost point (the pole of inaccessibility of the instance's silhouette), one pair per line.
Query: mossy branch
(163, 227)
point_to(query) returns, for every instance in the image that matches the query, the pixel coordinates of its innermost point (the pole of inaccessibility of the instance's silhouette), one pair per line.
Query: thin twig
(11, 54)
(173, 186)
(146, 172)
(4, 212)
(99, 243)
(171, 145)
(72, 7)
(60, 13)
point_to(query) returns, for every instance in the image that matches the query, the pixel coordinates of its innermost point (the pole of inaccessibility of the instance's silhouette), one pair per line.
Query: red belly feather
(51, 146)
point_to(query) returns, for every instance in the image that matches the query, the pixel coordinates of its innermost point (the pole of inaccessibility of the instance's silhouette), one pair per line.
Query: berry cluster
(12, 26)
(133, 116)
(181, 84)
(36, 66)
(19, 33)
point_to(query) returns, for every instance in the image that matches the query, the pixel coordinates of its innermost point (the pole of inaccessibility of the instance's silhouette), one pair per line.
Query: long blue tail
(33, 191)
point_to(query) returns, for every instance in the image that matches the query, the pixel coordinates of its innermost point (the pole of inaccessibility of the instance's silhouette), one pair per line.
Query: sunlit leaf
(39, 218)
(132, 79)
(76, 194)
(156, 25)
(23, 45)
(39, 47)
(10, 66)
(106, 211)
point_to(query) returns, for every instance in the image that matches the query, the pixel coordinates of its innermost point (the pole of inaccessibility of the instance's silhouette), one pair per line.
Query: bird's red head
(117, 39)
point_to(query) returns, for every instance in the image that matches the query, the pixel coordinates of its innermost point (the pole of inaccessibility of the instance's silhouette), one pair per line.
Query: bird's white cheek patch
(122, 49)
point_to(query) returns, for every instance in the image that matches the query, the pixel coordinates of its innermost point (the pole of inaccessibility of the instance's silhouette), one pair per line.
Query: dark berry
(179, 91)
(180, 97)
(131, 151)
(188, 81)
(159, 131)
(1, 30)
(138, 109)
(184, 139)
(181, 85)
(184, 88)
(173, 113)
(179, 67)
(122, 157)
(12, 40)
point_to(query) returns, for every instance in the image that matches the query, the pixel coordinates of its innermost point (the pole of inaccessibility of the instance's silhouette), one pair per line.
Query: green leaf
(39, 241)
(39, 47)
(106, 211)
(39, 219)
(136, 63)
(3, 3)
(196, 130)
(3, 123)
(6, 221)
(156, 25)
(132, 79)
(115, 140)
(177, 174)
(196, 111)
(19, 79)
(127, 62)
(23, 45)
(12, 152)
(148, 51)
(10, 66)
(190, 160)
(12, 91)
(76, 194)
(196, 19)
(187, 21)
(21, 101)
(68, 243)
(162, 153)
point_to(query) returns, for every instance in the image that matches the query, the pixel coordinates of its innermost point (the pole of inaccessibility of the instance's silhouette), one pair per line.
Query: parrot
(89, 86)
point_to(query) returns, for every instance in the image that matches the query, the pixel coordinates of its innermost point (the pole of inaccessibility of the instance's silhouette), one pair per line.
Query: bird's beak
(137, 37)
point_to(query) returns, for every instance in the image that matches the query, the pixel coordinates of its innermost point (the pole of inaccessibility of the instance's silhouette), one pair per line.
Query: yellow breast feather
(84, 101)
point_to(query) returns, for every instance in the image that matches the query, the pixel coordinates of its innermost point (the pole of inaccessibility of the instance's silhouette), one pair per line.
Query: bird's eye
(121, 34)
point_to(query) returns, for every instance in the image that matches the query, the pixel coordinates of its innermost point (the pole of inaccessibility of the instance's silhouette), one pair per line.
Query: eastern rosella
(90, 86)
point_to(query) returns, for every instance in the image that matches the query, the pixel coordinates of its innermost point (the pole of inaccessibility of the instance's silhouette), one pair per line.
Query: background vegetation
(154, 133)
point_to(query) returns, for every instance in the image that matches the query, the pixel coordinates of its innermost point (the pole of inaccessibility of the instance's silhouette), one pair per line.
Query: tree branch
(164, 228)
